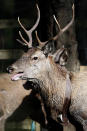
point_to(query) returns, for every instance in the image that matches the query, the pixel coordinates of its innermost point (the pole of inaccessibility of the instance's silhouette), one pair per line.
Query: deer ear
(61, 56)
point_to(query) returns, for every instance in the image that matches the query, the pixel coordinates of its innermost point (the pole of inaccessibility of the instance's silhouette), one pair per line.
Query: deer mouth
(17, 76)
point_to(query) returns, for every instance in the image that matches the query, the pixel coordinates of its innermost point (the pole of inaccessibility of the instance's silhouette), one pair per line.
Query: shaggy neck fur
(53, 85)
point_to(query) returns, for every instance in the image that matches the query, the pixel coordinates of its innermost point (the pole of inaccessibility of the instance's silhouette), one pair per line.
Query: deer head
(35, 61)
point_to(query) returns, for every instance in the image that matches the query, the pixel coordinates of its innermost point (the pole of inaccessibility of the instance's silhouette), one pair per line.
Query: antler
(41, 44)
(61, 30)
(28, 32)
(66, 27)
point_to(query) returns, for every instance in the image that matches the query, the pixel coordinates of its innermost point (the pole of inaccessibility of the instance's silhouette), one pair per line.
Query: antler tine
(21, 42)
(66, 27)
(29, 32)
(26, 43)
(57, 22)
(38, 19)
(41, 44)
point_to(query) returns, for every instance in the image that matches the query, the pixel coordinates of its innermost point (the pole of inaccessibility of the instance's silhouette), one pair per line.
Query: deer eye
(35, 58)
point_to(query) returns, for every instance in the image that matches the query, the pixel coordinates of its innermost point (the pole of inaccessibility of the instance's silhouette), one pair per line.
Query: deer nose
(10, 69)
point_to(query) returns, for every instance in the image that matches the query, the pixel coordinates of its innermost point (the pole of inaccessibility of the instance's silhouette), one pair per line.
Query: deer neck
(53, 83)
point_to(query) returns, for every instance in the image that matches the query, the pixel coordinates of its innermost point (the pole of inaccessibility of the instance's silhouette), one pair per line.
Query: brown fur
(52, 82)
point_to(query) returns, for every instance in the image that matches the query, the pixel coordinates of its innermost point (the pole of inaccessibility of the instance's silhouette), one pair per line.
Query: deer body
(51, 78)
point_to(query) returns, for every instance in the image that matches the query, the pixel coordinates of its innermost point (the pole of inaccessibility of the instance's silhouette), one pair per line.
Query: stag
(61, 59)
(53, 82)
